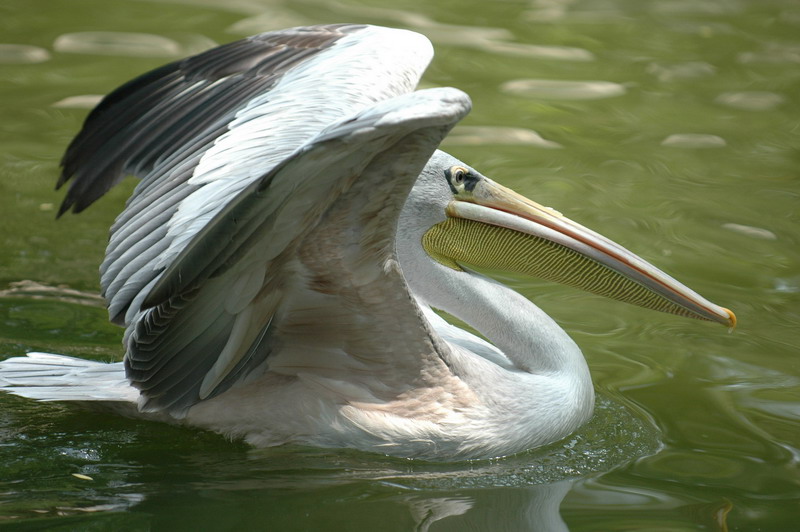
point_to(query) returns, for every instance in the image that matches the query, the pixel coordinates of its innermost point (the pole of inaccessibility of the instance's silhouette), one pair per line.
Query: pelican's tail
(48, 377)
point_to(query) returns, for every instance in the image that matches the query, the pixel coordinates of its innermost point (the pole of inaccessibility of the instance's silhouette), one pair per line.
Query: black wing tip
(77, 199)
(71, 205)
(68, 201)
(107, 144)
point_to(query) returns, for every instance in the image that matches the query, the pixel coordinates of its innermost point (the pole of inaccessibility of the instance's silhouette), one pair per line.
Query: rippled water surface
(671, 126)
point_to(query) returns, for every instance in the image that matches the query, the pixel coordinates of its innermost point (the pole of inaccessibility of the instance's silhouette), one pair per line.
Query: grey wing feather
(188, 345)
(218, 126)
(198, 131)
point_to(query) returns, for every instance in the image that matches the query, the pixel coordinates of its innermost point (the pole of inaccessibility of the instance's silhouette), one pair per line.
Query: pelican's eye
(460, 180)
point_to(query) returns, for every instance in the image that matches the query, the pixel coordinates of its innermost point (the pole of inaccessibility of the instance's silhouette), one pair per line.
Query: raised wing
(200, 130)
(300, 266)
(250, 155)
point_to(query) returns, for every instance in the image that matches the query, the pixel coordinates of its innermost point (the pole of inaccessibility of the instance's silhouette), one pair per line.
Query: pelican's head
(463, 217)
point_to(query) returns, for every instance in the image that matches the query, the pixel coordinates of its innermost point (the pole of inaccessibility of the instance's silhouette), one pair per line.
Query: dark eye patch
(460, 176)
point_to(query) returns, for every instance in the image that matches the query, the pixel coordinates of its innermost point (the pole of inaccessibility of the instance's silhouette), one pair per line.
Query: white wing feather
(361, 68)
(244, 260)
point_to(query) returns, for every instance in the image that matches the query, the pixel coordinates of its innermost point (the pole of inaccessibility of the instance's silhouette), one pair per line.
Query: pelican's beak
(492, 226)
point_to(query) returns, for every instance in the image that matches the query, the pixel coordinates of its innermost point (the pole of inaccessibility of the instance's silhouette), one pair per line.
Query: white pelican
(276, 268)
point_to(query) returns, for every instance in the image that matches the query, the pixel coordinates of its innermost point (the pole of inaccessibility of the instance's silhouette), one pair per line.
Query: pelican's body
(277, 267)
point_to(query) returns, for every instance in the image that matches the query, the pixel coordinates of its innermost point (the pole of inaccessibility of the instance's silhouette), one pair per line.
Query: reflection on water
(426, 511)
(138, 466)
(385, 507)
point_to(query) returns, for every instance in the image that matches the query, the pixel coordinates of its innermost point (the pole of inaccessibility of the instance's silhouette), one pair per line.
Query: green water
(683, 148)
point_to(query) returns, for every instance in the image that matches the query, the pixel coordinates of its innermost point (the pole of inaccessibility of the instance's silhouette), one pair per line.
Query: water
(670, 126)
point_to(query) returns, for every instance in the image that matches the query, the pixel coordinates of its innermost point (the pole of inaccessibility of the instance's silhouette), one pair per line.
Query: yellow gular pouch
(459, 240)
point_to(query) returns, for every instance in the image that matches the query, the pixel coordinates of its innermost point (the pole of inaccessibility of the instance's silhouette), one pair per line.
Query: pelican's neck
(527, 336)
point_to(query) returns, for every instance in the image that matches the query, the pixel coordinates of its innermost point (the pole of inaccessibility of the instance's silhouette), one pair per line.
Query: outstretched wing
(273, 171)
(200, 130)
(301, 265)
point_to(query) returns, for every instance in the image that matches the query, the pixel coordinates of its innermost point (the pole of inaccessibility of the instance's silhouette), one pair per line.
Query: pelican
(278, 265)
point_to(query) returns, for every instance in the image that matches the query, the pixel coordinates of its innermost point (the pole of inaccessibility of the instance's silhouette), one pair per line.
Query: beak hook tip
(731, 319)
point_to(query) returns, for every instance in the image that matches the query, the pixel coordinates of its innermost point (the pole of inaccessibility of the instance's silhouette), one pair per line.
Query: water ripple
(82, 101)
(22, 53)
(266, 21)
(548, 11)
(790, 17)
(561, 53)
(751, 100)
(688, 70)
(773, 53)
(489, 39)
(748, 230)
(693, 7)
(693, 141)
(117, 43)
(482, 135)
(549, 89)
